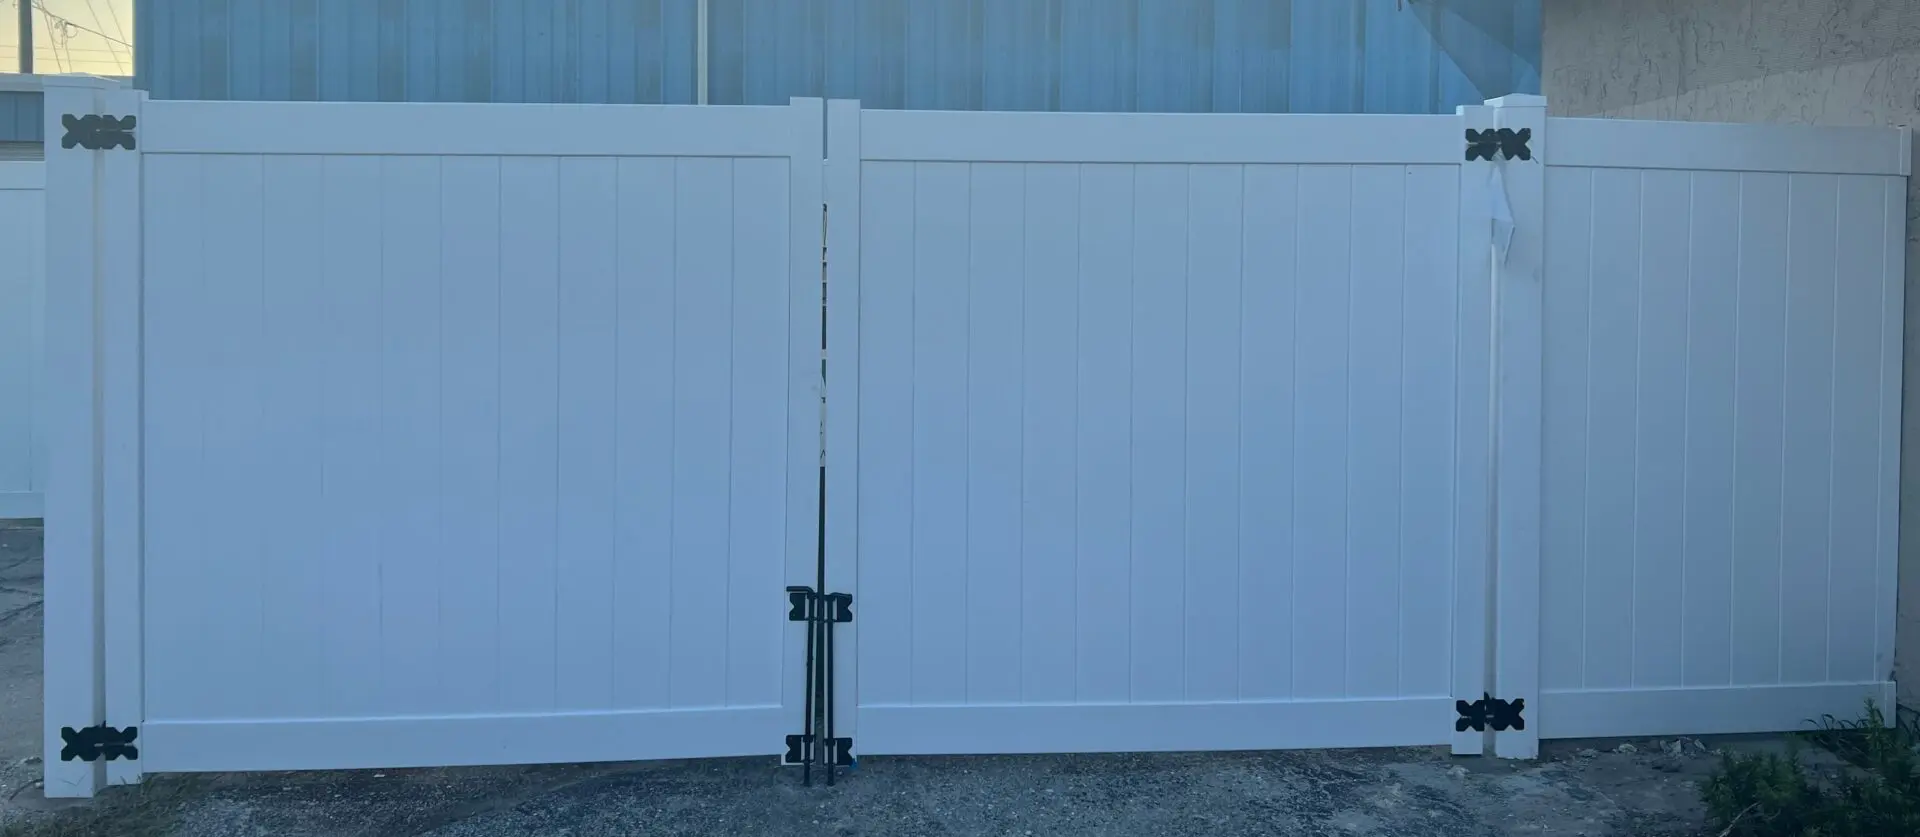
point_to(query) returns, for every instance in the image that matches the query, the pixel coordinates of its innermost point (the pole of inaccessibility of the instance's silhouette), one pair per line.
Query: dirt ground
(1636, 788)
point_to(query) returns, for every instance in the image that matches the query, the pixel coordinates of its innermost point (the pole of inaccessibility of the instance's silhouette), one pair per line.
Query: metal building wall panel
(1075, 55)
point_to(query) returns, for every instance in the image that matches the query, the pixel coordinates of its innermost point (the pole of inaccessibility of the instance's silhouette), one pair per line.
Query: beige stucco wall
(1829, 62)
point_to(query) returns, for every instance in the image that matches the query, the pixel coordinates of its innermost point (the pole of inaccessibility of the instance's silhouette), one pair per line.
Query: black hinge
(95, 132)
(1490, 711)
(803, 604)
(821, 611)
(97, 742)
(800, 751)
(1510, 143)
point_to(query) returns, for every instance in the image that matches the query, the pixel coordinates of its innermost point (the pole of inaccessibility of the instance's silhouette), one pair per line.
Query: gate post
(92, 400)
(1518, 271)
(842, 373)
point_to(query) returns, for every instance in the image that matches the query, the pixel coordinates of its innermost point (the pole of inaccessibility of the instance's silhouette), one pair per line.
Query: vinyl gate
(1168, 431)
(439, 435)
(461, 434)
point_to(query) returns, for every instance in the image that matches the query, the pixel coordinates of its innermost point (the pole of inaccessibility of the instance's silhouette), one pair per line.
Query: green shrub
(1768, 795)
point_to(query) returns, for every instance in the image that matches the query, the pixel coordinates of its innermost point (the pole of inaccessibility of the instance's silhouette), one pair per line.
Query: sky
(71, 36)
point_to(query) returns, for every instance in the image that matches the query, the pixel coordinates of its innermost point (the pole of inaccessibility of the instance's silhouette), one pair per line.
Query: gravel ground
(1641, 788)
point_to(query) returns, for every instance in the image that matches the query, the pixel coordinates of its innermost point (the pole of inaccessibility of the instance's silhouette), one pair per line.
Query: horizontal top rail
(461, 129)
(1034, 137)
(23, 175)
(1718, 146)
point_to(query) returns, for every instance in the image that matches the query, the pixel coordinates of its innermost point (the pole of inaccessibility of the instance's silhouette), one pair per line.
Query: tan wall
(1828, 62)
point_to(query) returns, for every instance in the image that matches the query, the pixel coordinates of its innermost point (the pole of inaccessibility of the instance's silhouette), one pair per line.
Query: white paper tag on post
(1500, 212)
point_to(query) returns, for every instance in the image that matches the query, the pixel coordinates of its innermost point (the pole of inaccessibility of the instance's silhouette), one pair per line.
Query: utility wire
(57, 18)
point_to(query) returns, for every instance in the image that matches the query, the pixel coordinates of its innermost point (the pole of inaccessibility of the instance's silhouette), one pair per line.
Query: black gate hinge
(1490, 711)
(96, 132)
(816, 743)
(800, 751)
(805, 605)
(97, 742)
(1510, 144)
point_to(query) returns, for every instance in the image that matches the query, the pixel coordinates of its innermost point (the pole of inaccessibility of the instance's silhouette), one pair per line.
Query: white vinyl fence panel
(389, 435)
(1179, 449)
(501, 450)
(23, 461)
(1723, 346)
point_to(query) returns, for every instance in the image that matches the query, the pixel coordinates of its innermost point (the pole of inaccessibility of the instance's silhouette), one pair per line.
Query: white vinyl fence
(23, 461)
(1157, 420)
(461, 434)
(1722, 425)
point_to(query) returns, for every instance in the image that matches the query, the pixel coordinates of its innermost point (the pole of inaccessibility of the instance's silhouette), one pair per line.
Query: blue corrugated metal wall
(1152, 55)
(19, 116)
(417, 50)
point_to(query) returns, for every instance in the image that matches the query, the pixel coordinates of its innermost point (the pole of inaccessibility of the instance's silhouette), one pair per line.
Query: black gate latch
(99, 741)
(1490, 711)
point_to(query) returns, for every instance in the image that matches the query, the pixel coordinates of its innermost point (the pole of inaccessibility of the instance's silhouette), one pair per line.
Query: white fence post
(1517, 285)
(77, 180)
(121, 340)
(1473, 441)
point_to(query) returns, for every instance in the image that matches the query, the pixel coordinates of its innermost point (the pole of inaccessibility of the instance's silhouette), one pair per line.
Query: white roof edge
(36, 82)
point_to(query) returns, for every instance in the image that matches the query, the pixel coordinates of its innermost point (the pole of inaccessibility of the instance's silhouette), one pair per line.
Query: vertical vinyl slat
(1431, 286)
(1321, 432)
(1103, 639)
(292, 407)
(1759, 390)
(22, 210)
(1376, 324)
(585, 473)
(1613, 319)
(1268, 322)
(1806, 519)
(1660, 429)
(940, 442)
(529, 435)
(994, 452)
(1214, 437)
(1893, 283)
(703, 358)
(762, 316)
(1859, 257)
(645, 433)
(1050, 332)
(1158, 409)
(471, 562)
(409, 445)
(885, 364)
(350, 446)
(229, 599)
(1712, 327)
(1565, 427)
(173, 372)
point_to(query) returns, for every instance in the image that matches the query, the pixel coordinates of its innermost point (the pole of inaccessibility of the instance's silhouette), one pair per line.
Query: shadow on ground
(1642, 788)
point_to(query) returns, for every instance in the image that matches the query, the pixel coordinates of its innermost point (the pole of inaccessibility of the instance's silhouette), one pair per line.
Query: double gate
(464, 434)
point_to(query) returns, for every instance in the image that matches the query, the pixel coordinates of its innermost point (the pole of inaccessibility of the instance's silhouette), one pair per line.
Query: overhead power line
(70, 24)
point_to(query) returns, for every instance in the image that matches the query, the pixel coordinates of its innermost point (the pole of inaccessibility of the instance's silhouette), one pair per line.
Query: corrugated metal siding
(20, 116)
(1081, 55)
(621, 51)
